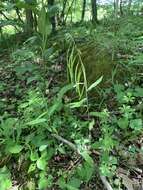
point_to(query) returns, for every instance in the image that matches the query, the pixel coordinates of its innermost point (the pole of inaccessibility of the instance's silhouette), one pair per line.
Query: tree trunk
(129, 6)
(35, 21)
(94, 11)
(116, 7)
(121, 7)
(83, 10)
(69, 9)
(63, 11)
(18, 15)
(29, 20)
(1, 32)
(52, 18)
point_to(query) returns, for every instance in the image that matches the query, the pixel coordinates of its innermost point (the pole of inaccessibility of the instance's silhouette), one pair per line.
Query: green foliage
(77, 74)
(76, 69)
(85, 172)
(22, 54)
(46, 134)
(128, 124)
(5, 179)
(37, 118)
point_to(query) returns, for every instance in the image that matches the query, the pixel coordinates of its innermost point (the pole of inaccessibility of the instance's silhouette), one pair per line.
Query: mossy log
(98, 62)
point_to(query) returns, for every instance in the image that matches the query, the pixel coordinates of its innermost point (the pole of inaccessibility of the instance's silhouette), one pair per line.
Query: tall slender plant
(77, 73)
(75, 68)
(44, 27)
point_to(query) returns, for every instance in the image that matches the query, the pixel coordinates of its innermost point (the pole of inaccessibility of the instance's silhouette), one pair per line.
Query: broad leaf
(41, 163)
(15, 149)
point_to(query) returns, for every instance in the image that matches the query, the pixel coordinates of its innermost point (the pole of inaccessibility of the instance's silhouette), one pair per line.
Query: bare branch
(73, 147)
(106, 183)
(70, 144)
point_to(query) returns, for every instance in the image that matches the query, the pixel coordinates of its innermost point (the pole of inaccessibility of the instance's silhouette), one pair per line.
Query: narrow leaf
(95, 84)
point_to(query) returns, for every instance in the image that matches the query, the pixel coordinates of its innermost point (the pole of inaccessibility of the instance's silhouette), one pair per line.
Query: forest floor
(53, 142)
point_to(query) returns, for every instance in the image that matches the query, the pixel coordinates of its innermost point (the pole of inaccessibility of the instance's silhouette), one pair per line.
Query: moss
(99, 63)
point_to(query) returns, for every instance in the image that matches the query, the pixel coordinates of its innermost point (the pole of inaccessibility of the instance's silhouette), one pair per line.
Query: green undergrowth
(54, 134)
(47, 141)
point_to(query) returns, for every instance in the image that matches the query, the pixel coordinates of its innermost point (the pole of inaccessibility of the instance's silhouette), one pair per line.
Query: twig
(4, 15)
(70, 144)
(68, 11)
(73, 147)
(73, 165)
(106, 183)
(18, 15)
